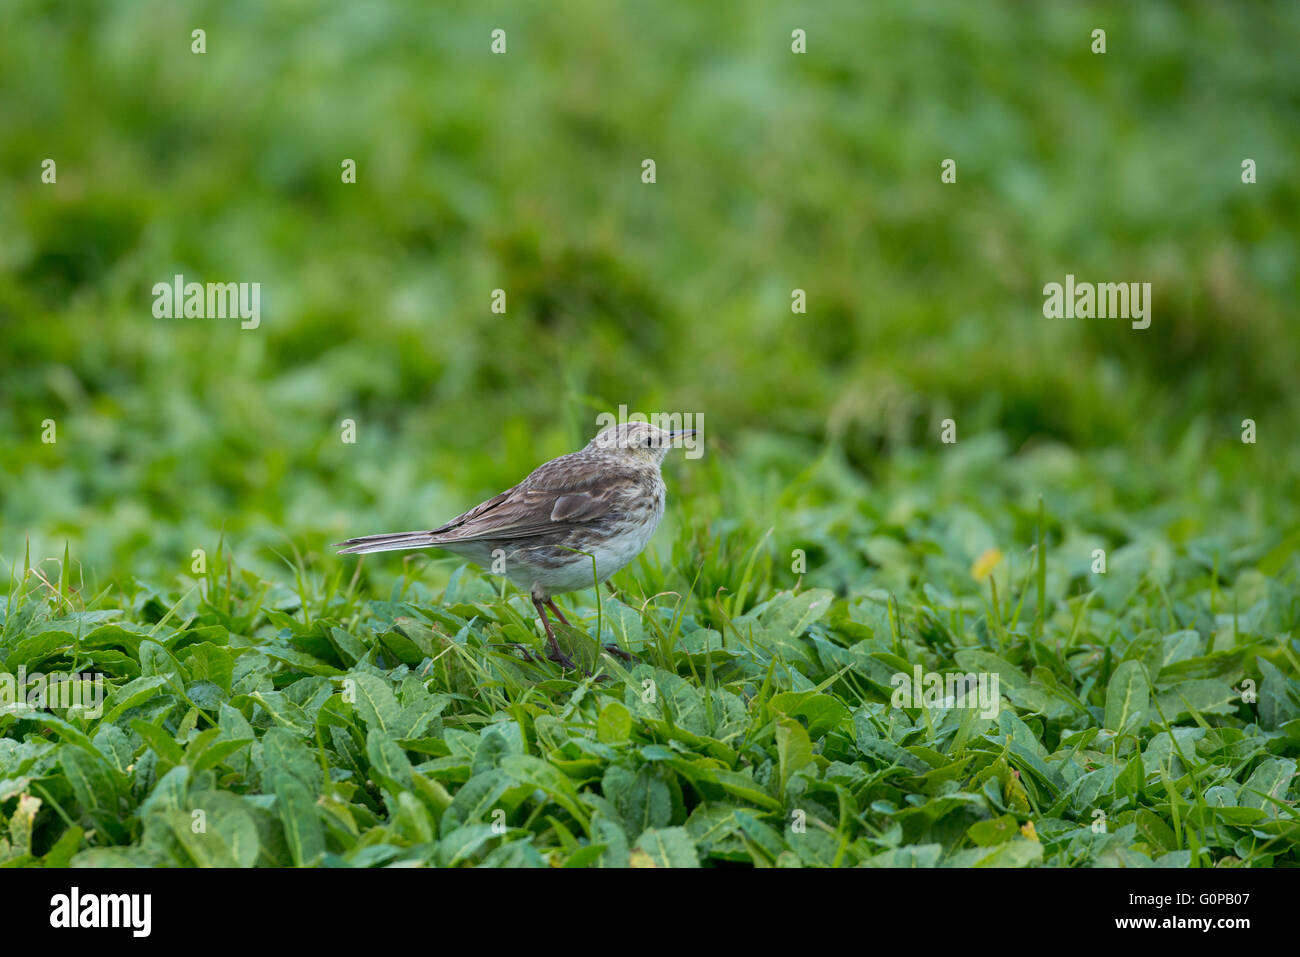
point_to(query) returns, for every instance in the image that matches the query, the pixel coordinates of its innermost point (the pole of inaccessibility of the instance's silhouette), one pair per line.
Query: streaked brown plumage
(604, 500)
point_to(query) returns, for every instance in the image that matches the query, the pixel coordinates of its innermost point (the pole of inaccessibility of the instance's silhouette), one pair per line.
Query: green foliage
(235, 733)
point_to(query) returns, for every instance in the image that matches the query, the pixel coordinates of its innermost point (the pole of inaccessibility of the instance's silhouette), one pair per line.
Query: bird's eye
(649, 441)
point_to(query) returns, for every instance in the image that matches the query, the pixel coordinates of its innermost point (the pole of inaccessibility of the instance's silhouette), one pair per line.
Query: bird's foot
(614, 649)
(561, 659)
(524, 651)
(529, 655)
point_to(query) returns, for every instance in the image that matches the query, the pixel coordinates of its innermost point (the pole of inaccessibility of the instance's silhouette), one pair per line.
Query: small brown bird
(603, 501)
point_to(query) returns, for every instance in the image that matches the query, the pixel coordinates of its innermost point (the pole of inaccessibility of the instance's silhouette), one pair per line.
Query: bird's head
(638, 442)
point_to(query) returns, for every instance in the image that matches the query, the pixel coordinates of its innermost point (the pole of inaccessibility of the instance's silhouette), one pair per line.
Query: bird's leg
(550, 603)
(611, 648)
(555, 654)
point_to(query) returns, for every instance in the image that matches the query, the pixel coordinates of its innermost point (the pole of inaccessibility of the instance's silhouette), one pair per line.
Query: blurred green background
(522, 172)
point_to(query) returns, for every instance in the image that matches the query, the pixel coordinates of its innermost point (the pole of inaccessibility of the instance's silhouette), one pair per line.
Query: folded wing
(558, 494)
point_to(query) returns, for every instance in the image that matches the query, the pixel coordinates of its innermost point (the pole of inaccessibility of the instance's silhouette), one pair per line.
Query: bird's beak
(681, 434)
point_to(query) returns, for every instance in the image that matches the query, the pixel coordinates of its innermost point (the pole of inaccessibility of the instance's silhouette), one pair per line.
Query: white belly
(576, 572)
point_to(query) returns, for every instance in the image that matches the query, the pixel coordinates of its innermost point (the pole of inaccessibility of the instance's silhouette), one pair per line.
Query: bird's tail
(393, 542)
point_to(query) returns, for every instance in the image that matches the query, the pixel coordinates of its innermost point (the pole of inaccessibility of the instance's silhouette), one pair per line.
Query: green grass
(345, 714)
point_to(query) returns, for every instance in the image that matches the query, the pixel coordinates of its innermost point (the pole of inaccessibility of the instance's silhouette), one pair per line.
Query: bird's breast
(612, 541)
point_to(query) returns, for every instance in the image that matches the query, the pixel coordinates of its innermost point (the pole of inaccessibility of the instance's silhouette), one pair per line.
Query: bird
(601, 503)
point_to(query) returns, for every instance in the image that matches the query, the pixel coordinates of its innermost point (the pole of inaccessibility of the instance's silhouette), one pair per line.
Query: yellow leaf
(985, 564)
(1028, 831)
(1016, 796)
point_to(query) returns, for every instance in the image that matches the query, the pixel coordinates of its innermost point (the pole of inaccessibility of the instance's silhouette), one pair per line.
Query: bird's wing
(555, 495)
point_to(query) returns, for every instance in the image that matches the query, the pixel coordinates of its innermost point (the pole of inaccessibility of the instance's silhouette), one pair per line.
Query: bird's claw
(614, 649)
(524, 651)
(561, 659)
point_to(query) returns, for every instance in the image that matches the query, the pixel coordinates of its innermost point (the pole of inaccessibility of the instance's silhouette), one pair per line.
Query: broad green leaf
(475, 800)
(411, 822)
(665, 847)
(1018, 853)
(169, 793)
(975, 661)
(995, 831)
(464, 842)
(209, 662)
(218, 752)
(794, 615)
(1268, 784)
(1205, 696)
(30, 652)
(738, 784)
(794, 749)
(415, 718)
(614, 724)
(282, 711)
(377, 704)
(533, 771)
(1127, 697)
(159, 740)
(100, 791)
(585, 856)
(223, 835)
(822, 711)
(388, 762)
(611, 836)
(711, 824)
(302, 827)
(641, 796)
(495, 742)
(65, 730)
(282, 751)
(1277, 700)
(1180, 646)
(1162, 750)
